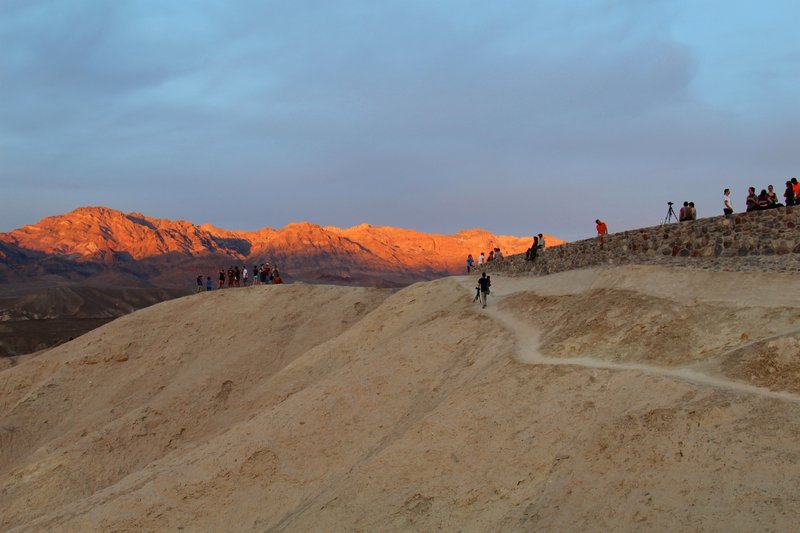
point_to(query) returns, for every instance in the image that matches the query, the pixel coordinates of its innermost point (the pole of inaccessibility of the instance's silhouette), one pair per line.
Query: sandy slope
(593, 400)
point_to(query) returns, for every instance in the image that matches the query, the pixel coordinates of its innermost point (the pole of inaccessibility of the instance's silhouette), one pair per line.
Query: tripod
(670, 214)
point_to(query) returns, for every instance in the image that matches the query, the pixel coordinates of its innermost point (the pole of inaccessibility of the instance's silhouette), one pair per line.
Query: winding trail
(527, 342)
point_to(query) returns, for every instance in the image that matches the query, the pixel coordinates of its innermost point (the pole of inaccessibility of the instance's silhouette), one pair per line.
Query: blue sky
(514, 116)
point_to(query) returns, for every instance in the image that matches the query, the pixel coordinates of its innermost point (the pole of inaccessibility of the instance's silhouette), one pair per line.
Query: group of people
(494, 255)
(263, 274)
(687, 212)
(768, 198)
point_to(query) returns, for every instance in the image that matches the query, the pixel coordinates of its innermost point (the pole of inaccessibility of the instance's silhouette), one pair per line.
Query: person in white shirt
(480, 259)
(727, 207)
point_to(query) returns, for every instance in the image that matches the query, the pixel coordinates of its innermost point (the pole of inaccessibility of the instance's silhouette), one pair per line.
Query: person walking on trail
(483, 284)
(470, 262)
(481, 260)
(602, 230)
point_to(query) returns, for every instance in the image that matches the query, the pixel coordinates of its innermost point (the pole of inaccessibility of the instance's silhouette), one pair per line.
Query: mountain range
(105, 247)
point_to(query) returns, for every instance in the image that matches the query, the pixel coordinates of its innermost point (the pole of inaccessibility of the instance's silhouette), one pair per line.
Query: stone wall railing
(761, 240)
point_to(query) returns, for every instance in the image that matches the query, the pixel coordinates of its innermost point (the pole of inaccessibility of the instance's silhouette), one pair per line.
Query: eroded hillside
(591, 400)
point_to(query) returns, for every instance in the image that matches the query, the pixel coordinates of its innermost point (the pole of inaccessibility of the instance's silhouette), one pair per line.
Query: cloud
(438, 115)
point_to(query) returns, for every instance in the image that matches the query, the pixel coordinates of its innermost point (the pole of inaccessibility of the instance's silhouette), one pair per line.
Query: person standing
(788, 194)
(530, 255)
(470, 262)
(209, 284)
(727, 206)
(752, 200)
(221, 278)
(483, 284)
(602, 230)
(199, 283)
(480, 260)
(244, 275)
(541, 243)
(691, 214)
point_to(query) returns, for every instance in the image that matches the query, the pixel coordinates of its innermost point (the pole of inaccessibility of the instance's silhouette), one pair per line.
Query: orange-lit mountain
(105, 246)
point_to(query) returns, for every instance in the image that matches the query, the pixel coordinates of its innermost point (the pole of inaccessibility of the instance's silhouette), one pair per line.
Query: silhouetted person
(483, 284)
(788, 194)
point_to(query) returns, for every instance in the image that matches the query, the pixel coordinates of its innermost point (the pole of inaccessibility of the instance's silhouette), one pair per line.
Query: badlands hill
(102, 246)
(625, 398)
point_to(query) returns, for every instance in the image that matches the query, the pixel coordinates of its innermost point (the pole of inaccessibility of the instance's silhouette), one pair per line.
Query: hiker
(541, 243)
(244, 276)
(483, 284)
(237, 276)
(602, 230)
(199, 283)
(221, 278)
(263, 274)
(491, 257)
(470, 262)
(498, 255)
(209, 284)
(691, 214)
(255, 275)
(480, 260)
(727, 206)
(230, 277)
(796, 188)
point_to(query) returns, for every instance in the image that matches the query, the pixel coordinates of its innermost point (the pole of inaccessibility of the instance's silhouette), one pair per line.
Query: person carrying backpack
(483, 284)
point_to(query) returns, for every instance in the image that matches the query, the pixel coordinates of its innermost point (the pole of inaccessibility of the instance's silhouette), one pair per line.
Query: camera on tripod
(670, 214)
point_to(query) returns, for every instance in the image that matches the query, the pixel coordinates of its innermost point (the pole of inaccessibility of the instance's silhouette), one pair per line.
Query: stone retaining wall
(758, 241)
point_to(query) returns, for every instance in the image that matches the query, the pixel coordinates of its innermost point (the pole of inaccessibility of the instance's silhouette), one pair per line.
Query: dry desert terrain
(629, 398)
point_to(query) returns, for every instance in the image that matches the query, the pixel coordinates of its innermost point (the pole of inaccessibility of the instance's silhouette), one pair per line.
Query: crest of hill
(308, 407)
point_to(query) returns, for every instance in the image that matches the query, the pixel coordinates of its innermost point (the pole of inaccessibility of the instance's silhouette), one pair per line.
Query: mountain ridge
(91, 243)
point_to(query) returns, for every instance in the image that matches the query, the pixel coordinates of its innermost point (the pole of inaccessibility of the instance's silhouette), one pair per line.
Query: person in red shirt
(602, 229)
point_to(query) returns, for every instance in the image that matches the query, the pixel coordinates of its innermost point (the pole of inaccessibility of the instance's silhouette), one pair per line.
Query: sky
(515, 116)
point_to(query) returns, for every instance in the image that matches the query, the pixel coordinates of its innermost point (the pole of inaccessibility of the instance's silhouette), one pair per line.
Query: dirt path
(527, 341)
